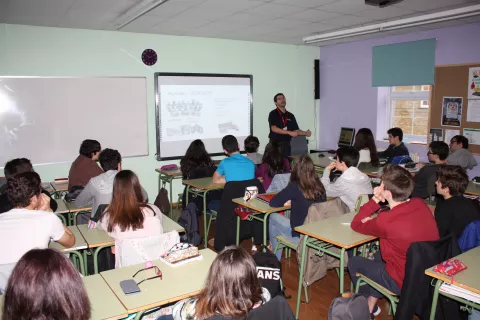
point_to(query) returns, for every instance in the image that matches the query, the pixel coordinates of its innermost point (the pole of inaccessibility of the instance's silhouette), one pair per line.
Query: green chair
(392, 297)
(284, 243)
(212, 216)
(361, 200)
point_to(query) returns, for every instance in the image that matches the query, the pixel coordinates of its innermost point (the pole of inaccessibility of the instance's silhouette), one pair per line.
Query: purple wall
(346, 93)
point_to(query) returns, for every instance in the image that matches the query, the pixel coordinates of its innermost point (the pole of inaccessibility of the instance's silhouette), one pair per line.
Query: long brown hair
(125, 209)
(365, 140)
(45, 285)
(232, 288)
(303, 173)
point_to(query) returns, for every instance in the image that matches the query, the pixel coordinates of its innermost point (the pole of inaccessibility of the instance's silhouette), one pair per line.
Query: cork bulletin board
(453, 82)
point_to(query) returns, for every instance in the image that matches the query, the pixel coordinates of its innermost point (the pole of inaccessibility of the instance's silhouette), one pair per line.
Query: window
(409, 109)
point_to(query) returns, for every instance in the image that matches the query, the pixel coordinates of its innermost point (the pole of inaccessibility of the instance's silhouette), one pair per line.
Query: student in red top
(407, 221)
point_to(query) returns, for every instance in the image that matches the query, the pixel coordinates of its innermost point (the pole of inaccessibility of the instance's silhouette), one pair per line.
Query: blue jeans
(279, 225)
(475, 315)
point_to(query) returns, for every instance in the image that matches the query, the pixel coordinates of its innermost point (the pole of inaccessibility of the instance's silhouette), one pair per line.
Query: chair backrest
(279, 182)
(140, 250)
(361, 200)
(470, 237)
(431, 187)
(324, 210)
(299, 146)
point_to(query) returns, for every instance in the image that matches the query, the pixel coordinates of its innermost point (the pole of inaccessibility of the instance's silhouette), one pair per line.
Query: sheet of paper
(474, 83)
(449, 134)
(473, 111)
(473, 135)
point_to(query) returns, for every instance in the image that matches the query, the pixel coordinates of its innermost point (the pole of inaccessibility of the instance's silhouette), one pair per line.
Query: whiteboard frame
(183, 74)
(88, 77)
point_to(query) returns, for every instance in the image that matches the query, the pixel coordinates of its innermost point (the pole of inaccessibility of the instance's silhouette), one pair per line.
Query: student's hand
(419, 165)
(331, 166)
(293, 133)
(288, 203)
(308, 133)
(378, 194)
(366, 219)
(44, 203)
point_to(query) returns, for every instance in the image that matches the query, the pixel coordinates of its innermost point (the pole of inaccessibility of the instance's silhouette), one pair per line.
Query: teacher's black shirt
(281, 120)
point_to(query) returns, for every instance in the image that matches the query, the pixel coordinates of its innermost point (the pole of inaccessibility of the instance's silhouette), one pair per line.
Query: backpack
(162, 202)
(73, 193)
(189, 221)
(349, 307)
(269, 271)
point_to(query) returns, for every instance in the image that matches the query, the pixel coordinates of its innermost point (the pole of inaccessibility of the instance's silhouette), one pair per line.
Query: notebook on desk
(265, 197)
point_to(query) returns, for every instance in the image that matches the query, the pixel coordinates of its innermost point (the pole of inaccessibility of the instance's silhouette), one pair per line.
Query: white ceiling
(282, 21)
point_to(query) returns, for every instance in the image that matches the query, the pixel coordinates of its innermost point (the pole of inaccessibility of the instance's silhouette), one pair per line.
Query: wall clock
(149, 57)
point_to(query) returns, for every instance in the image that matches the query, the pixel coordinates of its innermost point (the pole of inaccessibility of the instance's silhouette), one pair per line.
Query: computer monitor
(346, 137)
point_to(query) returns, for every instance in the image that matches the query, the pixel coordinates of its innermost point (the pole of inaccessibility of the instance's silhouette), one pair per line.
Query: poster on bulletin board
(452, 111)
(474, 83)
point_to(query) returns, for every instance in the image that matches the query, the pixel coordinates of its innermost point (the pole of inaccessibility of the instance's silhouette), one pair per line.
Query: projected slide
(203, 107)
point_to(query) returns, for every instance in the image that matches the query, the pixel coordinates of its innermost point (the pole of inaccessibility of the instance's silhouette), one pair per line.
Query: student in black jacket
(437, 155)
(304, 189)
(455, 212)
(396, 147)
(13, 167)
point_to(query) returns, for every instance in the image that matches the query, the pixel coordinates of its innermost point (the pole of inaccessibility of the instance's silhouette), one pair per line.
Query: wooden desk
(170, 225)
(74, 211)
(178, 283)
(259, 207)
(167, 176)
(96, 239)
(80, 244)
(59, 188)
(467, 279)
(200, 187)
(473, 189)
(47, 186)
(104, 304)
(324, 235)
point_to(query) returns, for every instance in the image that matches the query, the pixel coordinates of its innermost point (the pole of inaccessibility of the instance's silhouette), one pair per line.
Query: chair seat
(383, 288)
(286, 242)
(212, 212)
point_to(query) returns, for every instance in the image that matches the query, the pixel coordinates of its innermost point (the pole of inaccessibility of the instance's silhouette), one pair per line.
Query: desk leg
(170, 180)
(80, 261)
(265, 227)
(237, 241)
(300, 277)
(435, 299)
(95, 257)
(205, 235)
(342, 269)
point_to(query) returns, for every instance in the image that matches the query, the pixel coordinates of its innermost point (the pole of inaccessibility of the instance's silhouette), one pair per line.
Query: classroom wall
(346, 92)
(40, 51)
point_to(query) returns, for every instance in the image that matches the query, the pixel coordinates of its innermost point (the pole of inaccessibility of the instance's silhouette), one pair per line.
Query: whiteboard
(45, 119)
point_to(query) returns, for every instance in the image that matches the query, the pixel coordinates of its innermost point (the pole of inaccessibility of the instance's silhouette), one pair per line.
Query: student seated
(251, 145)
(407, 221)
(455, 212)
(12, 168)
(128, 215)
(232, 289)
(396, 147)
(45, 285)
(197, 162)
(30, 224)
(459, 155)
(351, 183)
(365, 144)
(85, 167)
(235, 167)
(437, 154)
(273, 163)
(303, 190)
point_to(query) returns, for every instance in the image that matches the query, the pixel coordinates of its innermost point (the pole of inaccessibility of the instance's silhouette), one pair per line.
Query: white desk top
(104, 304)
(80, 242)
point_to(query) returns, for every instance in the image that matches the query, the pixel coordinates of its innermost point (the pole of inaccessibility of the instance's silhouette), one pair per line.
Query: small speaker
(317, 78)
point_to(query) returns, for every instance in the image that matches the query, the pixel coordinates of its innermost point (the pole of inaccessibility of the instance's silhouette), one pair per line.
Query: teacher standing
(283, 125)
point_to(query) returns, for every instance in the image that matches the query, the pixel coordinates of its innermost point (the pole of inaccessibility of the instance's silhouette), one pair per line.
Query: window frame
(421, 95)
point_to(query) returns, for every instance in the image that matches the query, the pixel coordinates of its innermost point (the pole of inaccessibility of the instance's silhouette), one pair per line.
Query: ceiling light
(136, 12)
(449, 15)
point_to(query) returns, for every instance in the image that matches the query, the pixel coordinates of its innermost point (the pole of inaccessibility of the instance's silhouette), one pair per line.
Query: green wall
(40, 51)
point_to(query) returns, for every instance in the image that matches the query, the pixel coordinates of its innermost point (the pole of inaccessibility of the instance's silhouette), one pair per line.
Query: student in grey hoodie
(351, 183)
(100, 188)
(460, 156)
